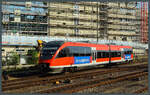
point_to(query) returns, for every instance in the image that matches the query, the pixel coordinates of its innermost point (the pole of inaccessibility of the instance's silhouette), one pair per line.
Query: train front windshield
(47, 53)
(49, 50)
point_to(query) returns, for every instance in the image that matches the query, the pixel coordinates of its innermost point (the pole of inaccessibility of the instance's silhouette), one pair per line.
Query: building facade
(103, 20)
(99, 20)
(24, 18)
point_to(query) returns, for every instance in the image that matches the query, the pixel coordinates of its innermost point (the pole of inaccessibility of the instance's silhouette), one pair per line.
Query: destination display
(81, 60)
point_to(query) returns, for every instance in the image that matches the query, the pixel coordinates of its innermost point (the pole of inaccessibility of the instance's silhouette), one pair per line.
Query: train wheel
(107, 65)
(43, 70)
(129, 62)
(74, 69)
(65, 70)
(71, 70)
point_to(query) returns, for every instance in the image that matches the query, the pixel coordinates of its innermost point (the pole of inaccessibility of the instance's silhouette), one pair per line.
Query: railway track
(126, 87)
(5, 82)
(72, 88)
(38, 81)
(37, 75)
(141, 90)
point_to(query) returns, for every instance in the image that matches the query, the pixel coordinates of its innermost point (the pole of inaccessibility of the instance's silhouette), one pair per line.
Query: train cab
(47, 53)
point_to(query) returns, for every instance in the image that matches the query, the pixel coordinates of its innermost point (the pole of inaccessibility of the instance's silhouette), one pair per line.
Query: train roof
(99, 46)
(55, 43)
(88, 44)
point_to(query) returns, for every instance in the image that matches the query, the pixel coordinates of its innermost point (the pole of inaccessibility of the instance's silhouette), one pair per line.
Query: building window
(3, 50)
(114, 38)
(11, 17)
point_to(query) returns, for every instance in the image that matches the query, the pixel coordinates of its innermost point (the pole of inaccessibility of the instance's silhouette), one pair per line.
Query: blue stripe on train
(82, 60)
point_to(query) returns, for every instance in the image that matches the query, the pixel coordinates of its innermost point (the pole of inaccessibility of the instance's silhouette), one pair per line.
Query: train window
(76, 54)
(87, 51)
(80, 51)
(112, 54)
(88, 54)
(115, 54)
(63, 53)
(98, 54)
(107, 54)
(128, 52)
(102, 54)
(118, 54)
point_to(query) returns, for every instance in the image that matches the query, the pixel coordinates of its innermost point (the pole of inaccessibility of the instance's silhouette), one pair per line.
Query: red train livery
(57, 56)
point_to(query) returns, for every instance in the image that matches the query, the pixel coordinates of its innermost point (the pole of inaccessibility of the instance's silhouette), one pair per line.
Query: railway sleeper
(138, 78)
(67, 81)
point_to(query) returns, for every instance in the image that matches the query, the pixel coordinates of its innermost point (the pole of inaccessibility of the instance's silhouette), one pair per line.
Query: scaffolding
(144, 22)
(122, 21)
(82, 19)
(24, 18)
(99, 20)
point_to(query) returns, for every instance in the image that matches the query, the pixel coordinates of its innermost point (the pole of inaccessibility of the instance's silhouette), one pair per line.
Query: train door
(94, 54)
(109, 54)
(122, 54)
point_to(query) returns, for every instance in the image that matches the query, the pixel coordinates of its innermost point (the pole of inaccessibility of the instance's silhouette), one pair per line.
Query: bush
(13, 59)
(3, 62)
(32, 57)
